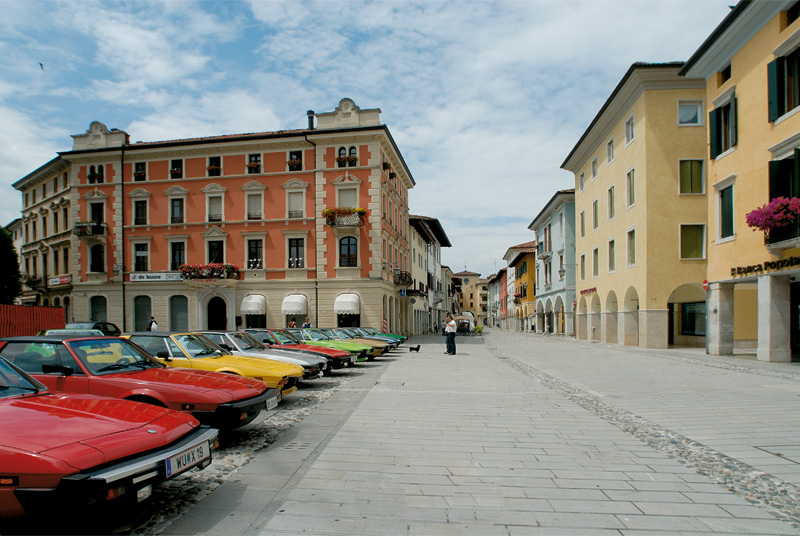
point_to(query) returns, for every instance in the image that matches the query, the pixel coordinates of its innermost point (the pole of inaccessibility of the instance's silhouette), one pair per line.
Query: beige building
(749, 67)
(640, 206)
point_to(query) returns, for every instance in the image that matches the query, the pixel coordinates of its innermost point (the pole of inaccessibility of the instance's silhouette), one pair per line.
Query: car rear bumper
(232, 414)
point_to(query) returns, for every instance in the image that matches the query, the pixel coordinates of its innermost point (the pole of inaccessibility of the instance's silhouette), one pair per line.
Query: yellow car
(189, 350)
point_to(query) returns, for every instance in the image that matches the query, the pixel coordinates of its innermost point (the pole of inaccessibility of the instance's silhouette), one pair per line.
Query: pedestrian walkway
(522, 434)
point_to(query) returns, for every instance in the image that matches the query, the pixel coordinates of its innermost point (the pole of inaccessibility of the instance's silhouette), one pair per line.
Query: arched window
(178, 313)
(348, 252)
(341, 159)
(352, 158)
(141, 313)
(100, 174)
(98, 309)
(56, 302)
(97, 258)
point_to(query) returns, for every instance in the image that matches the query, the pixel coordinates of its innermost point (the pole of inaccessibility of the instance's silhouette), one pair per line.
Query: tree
(10, 284)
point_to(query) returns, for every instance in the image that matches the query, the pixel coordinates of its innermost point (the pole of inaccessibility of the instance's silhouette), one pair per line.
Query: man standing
(153, 325)
(307, 323)
(450, 333)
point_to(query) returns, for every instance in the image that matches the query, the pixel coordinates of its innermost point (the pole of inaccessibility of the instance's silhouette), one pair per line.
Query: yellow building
(521, 261)
(640, 211)
(750, 66)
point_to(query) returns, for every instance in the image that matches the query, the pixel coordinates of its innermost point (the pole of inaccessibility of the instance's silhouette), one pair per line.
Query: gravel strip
(778, 497)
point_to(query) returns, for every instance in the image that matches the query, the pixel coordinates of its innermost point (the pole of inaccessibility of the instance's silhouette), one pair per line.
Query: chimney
(310, 115)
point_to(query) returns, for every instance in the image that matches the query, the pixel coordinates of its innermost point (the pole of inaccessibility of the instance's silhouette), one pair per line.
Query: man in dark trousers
(450, 333)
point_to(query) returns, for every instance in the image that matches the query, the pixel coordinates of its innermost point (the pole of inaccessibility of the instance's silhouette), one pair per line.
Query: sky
(484, 99)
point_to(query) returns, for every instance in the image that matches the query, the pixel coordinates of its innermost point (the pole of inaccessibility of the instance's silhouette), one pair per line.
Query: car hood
(285, 356)
(88, 430)
(225, 387)
(342, 345)
(274, 367)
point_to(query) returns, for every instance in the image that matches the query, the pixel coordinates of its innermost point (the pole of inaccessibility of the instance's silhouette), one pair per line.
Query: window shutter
(794, 190)
(774, 178)
(713, 132)
(734, 122)
(775, 78)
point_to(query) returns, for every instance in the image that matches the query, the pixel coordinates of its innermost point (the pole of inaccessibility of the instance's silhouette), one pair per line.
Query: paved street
(530, 434)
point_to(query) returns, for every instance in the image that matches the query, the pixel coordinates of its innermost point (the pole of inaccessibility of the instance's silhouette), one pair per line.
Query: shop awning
(295, 304)
(346, 304)
(254, 304)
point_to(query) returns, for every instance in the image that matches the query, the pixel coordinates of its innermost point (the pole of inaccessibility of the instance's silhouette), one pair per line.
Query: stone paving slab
(525, 434)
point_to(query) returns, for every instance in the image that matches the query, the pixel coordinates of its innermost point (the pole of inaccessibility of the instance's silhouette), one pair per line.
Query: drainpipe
(310, 115)
(122, 234)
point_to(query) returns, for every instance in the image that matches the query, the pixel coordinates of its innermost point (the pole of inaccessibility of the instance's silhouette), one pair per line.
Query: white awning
(346, 304)
(254, 304)
(295, 304)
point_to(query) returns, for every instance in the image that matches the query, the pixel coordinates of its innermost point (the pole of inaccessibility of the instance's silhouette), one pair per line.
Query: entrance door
(217, 314)
(670, 323)
(794, 320)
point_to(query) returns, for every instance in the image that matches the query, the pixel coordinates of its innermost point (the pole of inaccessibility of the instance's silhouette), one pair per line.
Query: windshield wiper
(115, 366)
(20, 387)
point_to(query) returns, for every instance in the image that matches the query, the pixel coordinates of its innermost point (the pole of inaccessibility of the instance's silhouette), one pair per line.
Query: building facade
(233, 231)
(521, 260)
(641, 212)
(749, 68)
(429, 290)
(554, 227)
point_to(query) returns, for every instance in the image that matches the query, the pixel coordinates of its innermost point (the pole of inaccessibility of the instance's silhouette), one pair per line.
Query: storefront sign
(589, 291)
(63, 280)
(754, 269)
(156, 277)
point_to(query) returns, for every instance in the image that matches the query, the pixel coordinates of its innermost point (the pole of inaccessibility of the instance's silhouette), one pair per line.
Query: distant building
(554, 227)
(429, 292)
(521, 261)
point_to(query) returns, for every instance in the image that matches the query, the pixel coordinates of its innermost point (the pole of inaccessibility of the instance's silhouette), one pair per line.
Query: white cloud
(485, 99)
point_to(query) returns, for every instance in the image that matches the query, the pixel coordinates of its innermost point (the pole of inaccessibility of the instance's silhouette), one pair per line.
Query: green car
(315, 336)
(373, 331)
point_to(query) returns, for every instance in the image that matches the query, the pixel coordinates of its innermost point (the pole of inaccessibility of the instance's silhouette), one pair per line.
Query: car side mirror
(267, 341)
(65, 371)
(163, 354)
(227, 347)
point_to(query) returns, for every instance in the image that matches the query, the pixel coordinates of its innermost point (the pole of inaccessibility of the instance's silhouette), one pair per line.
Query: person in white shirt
(450, 332)
(153, 325)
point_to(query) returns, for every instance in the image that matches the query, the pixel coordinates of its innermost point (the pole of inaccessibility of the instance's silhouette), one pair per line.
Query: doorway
(794, 320)
(217, 313)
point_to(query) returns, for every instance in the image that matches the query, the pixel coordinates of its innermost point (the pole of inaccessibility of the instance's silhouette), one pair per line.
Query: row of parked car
(87, 417)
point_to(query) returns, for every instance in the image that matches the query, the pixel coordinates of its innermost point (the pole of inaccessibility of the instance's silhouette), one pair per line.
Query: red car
(286, 341)
(62, 450)
(116, 367)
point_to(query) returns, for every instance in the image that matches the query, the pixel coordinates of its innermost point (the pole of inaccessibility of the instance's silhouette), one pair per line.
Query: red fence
(18, 320)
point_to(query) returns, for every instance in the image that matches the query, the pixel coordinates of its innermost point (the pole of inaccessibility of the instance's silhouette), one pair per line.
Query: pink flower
(779, 212)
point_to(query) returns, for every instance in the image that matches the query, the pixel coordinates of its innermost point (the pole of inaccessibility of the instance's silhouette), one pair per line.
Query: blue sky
(484, 99)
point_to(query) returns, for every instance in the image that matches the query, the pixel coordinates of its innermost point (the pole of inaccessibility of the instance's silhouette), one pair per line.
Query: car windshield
(284, 337)
(13, 383)
(75, 332)
(247, 341)
(198, 346)
(314, 335)
(104, 356)
(80, 325)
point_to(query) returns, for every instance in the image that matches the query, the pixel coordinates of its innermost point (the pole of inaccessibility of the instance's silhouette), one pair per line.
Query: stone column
(628, 332)
(653, 326)
(569, 327)
(774, 309)
(580, 330)
(608, 328)
(719, 319)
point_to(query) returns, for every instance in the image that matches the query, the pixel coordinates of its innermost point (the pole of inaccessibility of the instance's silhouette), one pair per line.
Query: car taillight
(9, 481)
(283, 381)
(113, 493)
(187, 407)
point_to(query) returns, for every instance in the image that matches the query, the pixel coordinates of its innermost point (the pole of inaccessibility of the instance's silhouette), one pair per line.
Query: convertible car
(64, 450)
(115, 367)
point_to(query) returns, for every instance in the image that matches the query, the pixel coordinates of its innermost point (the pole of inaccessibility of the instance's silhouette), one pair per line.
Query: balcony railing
(253, 215)
(348, 262)
(403, 278)
(781, 234)
(349, 220)
(295, 214)
(34, 281)
(215, 217)
(90, 228)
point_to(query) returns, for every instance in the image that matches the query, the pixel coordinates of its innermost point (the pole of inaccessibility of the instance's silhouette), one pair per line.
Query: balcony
(543, 254)
(215, 217)
(89, 228)
(403, 278)
(438, 296)
(780, 238)
(34, 281)
(253, 215)
(344, 216)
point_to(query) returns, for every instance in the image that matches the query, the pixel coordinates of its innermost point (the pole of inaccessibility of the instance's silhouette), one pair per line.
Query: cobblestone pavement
(517, 434)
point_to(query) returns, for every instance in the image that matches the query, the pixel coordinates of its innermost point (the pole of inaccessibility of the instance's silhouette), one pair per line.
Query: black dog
(414, 348)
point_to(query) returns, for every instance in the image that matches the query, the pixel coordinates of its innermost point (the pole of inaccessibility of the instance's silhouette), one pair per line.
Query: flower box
(344, 216)
(139, 174)
(779, 212)
(209, 271)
